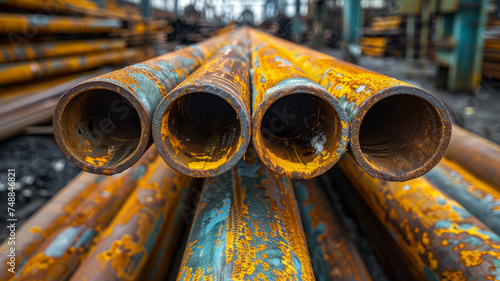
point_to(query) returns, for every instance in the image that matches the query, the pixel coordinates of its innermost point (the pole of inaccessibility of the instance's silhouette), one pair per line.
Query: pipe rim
(319, 92)
(141, 110)
(444, 139)
(236, 103)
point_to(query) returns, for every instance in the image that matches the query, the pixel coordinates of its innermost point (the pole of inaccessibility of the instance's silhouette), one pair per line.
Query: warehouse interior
(250, 140)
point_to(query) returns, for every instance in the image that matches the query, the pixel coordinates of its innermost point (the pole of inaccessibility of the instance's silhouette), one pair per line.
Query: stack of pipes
(202, 106)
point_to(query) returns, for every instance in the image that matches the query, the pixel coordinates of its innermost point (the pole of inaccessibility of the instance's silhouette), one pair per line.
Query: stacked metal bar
(60, 45)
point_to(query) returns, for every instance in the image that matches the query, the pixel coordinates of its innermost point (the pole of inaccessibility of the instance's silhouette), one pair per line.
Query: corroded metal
(333, 254)
(25, 71)
(59, 255)
(478, 155)
(103, 125)
(398, 131)
(42, 23)
(30, 51)
(202, 127)
(440, 237)
(172, 236)
(246, 227)
(478, 197)
(123, 249)
(299, 130)
(48, 219)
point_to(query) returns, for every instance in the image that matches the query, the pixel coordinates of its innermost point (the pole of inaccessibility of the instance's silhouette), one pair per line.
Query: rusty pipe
(58, 256)
(31, 51)
(103, 125)
(478, 197)
(333, 254)
(398, 131)
(202, 127)
(440, 237)
(173, 235)
(48, 219)
(49, 24)
(246, 227)
(125, 246)
(25, 71)
(299, 129)
(478, 155)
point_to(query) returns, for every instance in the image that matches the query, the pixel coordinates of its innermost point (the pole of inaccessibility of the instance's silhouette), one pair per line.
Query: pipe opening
(101, 127)
(400, 133)
(300, 129)
(202, 131)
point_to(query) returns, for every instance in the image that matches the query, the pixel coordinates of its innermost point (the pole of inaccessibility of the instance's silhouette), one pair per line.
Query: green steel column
(352, 20)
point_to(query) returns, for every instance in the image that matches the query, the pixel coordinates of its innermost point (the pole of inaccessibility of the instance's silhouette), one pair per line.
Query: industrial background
(357, 227)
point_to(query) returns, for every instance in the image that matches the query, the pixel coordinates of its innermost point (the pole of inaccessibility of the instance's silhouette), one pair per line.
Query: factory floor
(478, 112)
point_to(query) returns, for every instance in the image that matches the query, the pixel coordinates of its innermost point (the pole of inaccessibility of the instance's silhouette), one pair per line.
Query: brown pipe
(103, 125)
(476, 154)
(128, 242)
(202, 127)
(59, 255)
(398, 131)
(48, 219)
(299, 130)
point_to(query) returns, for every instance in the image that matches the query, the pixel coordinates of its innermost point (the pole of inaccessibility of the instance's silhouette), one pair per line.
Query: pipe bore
(100, 130)
(202, 134)
(400, 136)
(300, 135)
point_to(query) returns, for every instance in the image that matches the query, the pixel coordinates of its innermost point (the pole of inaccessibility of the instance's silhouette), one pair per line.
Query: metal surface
(202, 127)
(25, 71)
(398, 131)
(49, 24)
(58, 256)
(19, 52)
(298, 129)
(123, 249)
(478, 155)
(112, 113)
(333, 254)
(48, 219)
(441, 238)
(167, 248)
(246, 227)
(478, 197)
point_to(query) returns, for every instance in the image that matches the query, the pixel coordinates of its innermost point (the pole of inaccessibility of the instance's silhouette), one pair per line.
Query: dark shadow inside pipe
(202, 129)
(299, 127)
(101, 127)
(400, 133)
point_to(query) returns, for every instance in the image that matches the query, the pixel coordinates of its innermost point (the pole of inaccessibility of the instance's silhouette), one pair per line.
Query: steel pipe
(299, 130)
(246, 227)
(49, 24)
(25, 71)
(478, 155)
(202, 127)
(48, 219)
(166, 250)
(478, 197)
(440, 237)
(103, 125)
(333, 254)
(126, 245)
(398, 131)
(59, 255)
(31, 51)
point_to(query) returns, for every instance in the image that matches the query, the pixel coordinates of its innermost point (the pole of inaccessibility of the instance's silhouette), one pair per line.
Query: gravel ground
(41, 170)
